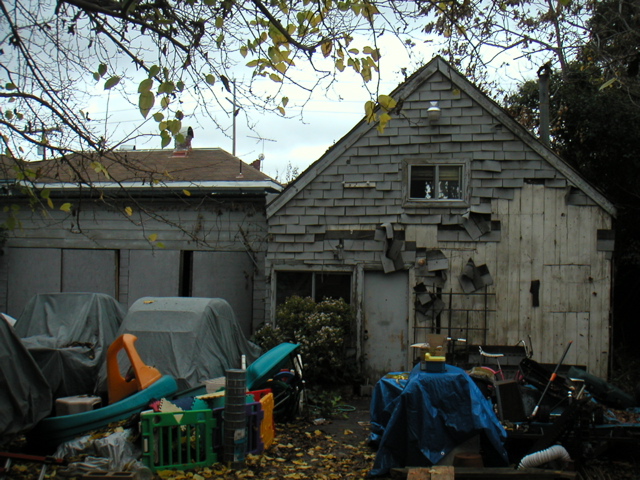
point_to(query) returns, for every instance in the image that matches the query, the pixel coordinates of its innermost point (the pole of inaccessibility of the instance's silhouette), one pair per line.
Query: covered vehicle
(192, 339)
(68, 335)
(25, 396)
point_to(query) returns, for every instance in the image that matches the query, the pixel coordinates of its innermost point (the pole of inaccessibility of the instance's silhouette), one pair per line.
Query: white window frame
(464, 169)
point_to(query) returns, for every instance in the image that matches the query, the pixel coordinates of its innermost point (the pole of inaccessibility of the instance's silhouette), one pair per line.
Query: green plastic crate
(178, 440)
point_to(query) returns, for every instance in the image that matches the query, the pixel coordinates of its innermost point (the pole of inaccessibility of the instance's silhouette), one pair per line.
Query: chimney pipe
(544, 72)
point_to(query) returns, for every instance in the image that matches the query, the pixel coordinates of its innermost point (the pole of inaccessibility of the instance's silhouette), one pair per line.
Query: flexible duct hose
(557, 452)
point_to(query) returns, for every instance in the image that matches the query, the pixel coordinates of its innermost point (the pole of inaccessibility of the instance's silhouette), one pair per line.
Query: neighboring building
(183, 222)
(454, 219)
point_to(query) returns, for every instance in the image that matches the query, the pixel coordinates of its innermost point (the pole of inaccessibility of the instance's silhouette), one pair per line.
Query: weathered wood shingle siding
(544, 225)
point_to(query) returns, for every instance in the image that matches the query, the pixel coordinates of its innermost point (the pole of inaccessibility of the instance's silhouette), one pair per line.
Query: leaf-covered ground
(300, 451)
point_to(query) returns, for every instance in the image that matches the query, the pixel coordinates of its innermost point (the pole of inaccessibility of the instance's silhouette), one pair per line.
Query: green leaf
(166, 87)
(145, 85)
(210, 79)
(275, 78)
(154, 70)
(102, 70)
(65, 207)
(166, 138)
(112, 82)
(158, 117)
(164, 102)
(326, 48)
(153, 237)
(145, 103)
(285, 101)
(10, 86)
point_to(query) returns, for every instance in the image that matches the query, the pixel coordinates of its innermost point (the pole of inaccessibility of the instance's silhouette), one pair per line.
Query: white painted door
(385, 325)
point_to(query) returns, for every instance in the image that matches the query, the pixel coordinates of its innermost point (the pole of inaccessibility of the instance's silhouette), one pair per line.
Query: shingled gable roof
(404, 90)
(210, 169)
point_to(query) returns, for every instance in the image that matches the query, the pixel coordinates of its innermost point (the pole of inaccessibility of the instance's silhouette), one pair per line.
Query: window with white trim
(441, 182)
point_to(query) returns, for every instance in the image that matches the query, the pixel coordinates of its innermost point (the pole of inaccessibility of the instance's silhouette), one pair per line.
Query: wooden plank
(525, 258)
(502, 267)
(538, 246)
(550, 227)
(490, 473)
(570, 334)
(431, 473)
(582, 356)
(512, 305)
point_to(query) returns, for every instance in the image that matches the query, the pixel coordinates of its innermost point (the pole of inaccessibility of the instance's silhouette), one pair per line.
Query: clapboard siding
(544, 219)
(225, 226)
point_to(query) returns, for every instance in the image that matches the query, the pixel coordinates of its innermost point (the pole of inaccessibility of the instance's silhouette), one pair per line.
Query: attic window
(435, 182)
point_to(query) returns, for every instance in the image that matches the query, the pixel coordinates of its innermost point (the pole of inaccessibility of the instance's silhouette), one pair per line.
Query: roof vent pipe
(544, 72)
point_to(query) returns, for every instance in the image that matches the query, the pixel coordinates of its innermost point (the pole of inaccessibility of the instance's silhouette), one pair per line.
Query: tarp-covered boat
(68, 335)
(192, 339)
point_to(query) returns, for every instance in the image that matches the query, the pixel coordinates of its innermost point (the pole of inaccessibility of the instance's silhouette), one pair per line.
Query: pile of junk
(170, 383)
(492, 420)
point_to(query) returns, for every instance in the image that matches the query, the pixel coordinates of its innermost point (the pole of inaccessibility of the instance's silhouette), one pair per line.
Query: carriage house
(454, 219)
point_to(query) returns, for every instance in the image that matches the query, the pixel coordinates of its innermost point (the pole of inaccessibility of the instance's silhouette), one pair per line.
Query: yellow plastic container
(267, 428)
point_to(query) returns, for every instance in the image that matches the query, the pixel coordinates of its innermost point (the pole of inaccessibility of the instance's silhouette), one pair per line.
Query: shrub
(324, 331)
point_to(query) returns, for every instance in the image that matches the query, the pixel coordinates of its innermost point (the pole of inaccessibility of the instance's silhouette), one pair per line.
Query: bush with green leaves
(325, 332)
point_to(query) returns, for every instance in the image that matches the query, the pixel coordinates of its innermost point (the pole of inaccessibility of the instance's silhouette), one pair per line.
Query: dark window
(435, 182)
(317, 285)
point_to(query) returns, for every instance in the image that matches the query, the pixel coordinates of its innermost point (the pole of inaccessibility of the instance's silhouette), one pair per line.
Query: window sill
(421, 204)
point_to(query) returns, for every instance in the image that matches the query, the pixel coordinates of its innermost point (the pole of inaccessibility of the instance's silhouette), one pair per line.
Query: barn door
(385, 323)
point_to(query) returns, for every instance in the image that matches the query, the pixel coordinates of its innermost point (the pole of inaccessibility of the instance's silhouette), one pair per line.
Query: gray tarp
(68, 335)
(25, 396)
(192, 339)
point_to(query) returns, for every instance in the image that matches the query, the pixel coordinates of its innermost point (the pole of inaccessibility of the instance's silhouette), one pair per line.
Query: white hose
(557, 452)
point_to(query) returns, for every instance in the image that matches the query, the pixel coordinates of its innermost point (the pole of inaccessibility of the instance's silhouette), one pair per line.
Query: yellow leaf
(370, 114)
(275, 78)
(128, 211)
(153, 237)
(186, 192)
(348, 432)
(608, 83)
(384, 119)
(386, 102)
(65, 207)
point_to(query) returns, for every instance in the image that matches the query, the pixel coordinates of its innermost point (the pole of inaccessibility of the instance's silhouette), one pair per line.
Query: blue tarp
(418, 418)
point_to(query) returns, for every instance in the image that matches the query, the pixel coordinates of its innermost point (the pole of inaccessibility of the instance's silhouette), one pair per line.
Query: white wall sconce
(433, 112)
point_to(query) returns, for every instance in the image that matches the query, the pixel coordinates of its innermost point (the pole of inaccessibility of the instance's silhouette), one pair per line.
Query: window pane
(333, 285)
(292, 283)
(450, 182)
(422, 182)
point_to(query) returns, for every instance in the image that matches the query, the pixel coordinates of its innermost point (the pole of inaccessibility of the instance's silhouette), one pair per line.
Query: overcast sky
(288, 141)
